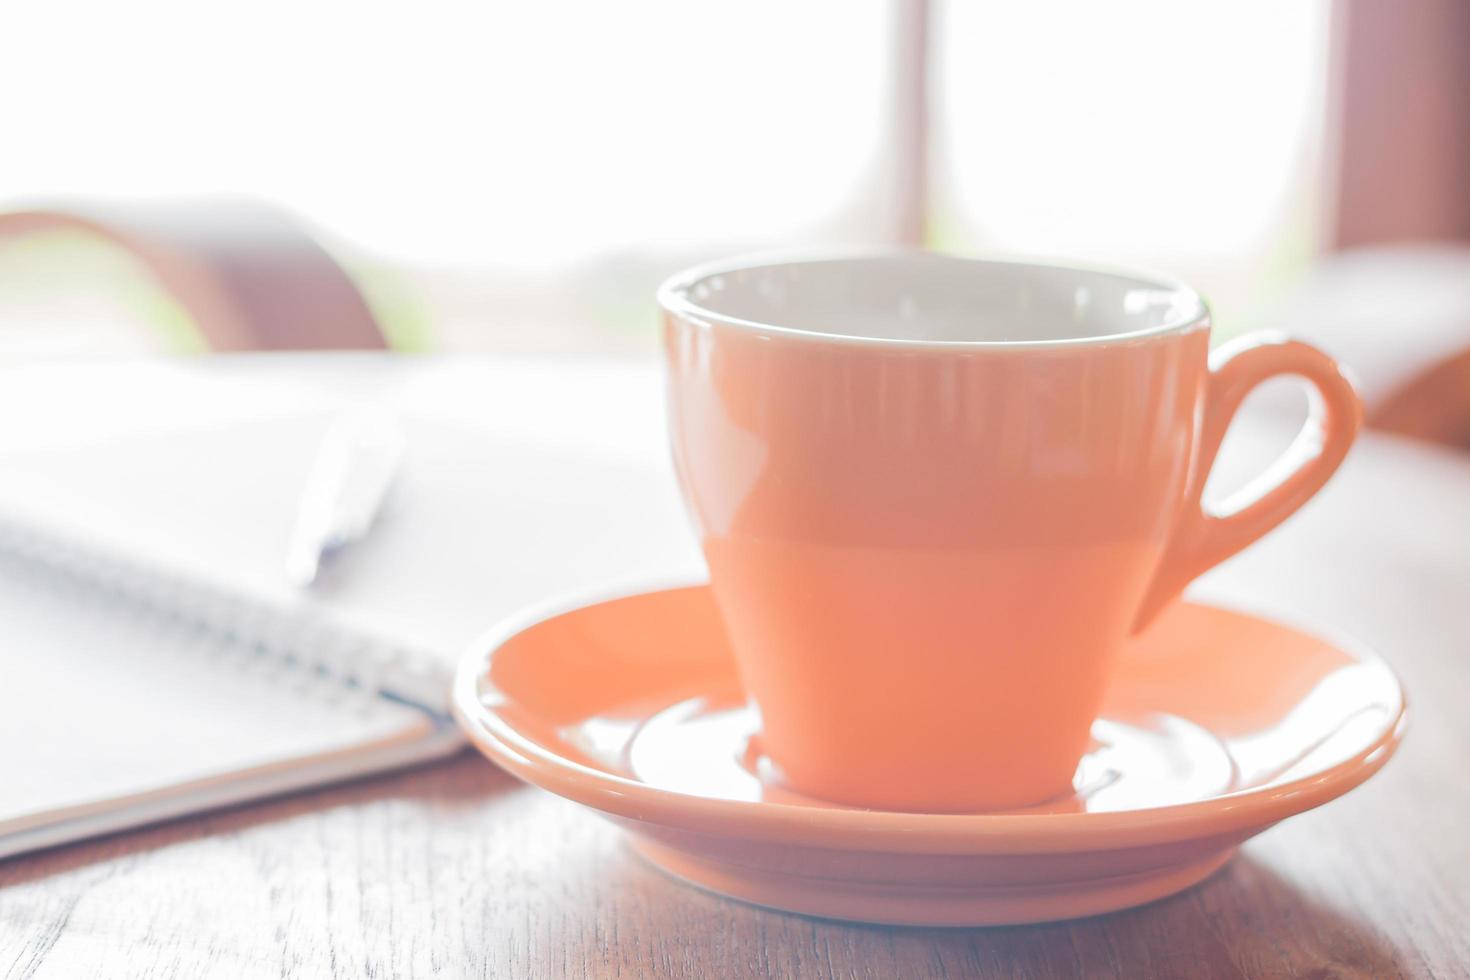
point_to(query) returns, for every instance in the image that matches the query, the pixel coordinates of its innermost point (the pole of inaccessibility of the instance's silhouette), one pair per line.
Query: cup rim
(674, 297)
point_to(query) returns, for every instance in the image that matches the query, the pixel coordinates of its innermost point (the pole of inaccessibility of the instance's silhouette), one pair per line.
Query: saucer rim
(1238, 813)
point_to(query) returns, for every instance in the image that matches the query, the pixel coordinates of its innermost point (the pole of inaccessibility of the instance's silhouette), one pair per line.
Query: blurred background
(499, 176)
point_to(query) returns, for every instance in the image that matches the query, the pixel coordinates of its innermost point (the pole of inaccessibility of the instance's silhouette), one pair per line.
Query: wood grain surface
(458, 871)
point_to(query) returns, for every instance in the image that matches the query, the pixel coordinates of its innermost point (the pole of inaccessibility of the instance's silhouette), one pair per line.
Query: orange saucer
(1218, 725)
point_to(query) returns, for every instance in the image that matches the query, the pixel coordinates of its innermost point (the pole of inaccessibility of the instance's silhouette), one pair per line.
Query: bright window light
(1178, 135)
(456, 133)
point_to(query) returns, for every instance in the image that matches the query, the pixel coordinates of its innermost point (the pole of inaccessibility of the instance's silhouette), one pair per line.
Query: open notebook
(153, 662)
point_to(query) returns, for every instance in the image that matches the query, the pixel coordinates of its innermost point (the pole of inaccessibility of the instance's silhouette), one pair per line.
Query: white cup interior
(923, 297)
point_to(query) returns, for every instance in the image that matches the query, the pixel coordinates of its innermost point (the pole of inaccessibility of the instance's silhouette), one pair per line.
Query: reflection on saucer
(695, 748)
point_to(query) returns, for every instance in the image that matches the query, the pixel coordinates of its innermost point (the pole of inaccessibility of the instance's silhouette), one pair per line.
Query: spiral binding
(300, 641)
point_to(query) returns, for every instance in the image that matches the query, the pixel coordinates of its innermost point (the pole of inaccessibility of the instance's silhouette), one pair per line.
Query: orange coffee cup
(936, 495)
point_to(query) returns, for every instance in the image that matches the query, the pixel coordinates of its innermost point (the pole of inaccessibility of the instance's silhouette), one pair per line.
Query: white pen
(356, 464)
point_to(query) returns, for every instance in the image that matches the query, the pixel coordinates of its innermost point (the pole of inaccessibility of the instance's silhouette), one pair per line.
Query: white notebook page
(480, 523)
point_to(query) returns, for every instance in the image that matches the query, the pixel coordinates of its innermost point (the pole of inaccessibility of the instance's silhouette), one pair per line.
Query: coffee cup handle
(1203, 538)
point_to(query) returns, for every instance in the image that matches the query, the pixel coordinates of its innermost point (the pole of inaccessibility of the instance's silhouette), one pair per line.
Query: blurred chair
(249, 276)
(1399, 317)
(1394, 302)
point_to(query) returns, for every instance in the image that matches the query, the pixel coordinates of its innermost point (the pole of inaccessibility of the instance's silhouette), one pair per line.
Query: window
(1183, 137)
(522, 175)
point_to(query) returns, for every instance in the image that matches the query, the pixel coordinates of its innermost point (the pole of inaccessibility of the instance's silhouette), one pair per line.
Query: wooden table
(457, 870)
